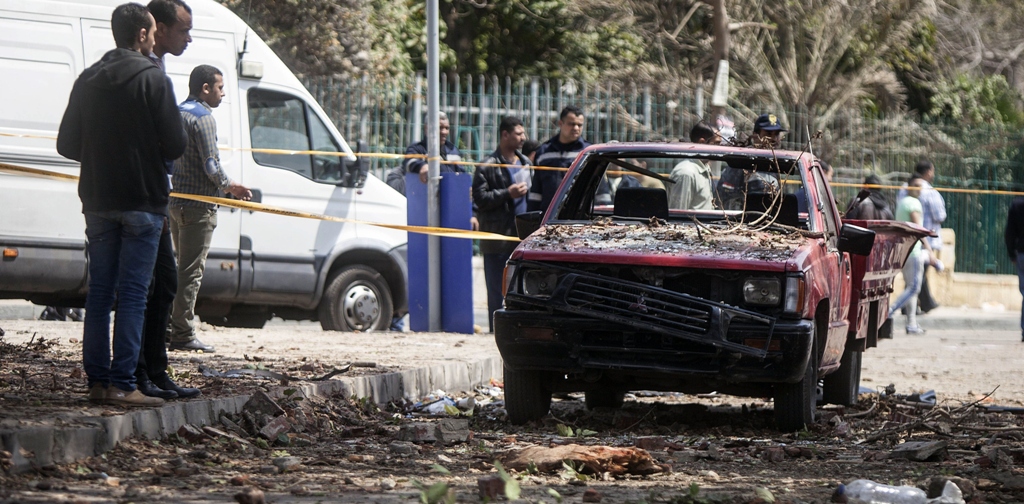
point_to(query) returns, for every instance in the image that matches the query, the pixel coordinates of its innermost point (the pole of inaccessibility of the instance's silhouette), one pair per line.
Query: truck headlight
(762, 291)
(794, 295)
(539, 282)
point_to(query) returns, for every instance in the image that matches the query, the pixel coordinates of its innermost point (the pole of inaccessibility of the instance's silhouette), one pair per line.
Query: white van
(347, 276)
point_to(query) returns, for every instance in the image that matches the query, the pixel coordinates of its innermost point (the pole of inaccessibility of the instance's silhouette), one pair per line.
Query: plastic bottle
(869, 492)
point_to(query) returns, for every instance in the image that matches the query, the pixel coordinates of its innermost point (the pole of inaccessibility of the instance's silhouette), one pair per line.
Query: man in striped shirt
(558, 152)
(198, 171)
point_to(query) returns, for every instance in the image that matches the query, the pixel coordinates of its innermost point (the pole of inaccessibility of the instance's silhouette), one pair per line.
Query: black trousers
(153, 353)
(924, 299)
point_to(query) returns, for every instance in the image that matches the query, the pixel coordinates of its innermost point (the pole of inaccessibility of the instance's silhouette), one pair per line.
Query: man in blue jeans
(121, 123)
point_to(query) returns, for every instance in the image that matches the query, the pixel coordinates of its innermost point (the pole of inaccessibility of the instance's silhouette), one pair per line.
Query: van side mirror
(528, 222)
(355, 171)
(856, 240)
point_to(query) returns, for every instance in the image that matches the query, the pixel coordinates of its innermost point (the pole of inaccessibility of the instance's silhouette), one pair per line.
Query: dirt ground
(707, 449)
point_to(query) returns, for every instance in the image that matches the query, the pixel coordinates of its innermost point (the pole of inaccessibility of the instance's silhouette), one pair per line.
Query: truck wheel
(527, 395)
(842, 387)
(795, 403)
(603, 399)
(357, 298)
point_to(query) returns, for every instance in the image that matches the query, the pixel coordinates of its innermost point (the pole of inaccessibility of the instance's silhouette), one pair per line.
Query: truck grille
(642, 307)
(590, 295)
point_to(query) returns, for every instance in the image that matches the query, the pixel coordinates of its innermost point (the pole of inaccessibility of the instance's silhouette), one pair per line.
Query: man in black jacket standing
(121, 123)
(1014, 236)
(499, 193)
(558, 153)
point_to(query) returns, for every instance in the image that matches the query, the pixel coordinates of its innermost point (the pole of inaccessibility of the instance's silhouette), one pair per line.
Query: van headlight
(762, 291)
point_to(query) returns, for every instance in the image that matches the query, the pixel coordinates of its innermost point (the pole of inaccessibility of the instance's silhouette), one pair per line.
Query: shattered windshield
(749, 191)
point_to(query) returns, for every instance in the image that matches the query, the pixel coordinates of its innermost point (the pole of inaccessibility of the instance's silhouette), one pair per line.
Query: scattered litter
(869, 491)
(439, 403)
(922, 399)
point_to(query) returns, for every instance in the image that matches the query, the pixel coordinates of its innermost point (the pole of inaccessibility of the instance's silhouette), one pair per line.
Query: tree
(821, 56)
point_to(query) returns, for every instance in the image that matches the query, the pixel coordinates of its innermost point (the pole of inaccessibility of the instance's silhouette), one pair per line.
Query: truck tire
(603, 399)
(527, 395)
(843, 386)
(795, 403)
(357, 298)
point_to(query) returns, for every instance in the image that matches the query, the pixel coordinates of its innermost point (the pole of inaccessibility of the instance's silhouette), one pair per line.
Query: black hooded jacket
(121, 123)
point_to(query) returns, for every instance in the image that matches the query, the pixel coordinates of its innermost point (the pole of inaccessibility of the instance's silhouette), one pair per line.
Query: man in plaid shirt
(198, 171)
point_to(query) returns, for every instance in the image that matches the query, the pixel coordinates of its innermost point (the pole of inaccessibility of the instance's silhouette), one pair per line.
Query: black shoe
(148, 388)
(165, 383)
(191, 345)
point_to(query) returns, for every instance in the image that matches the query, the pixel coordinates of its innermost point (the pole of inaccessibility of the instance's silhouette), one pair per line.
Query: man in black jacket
(499, 193)
(558, 153)
(1014, 236)
(121, 123)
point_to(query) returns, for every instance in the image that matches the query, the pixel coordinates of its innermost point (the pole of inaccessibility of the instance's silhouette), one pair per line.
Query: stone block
(276, 427)
(261, 406)
(920, 451)
(451, 430)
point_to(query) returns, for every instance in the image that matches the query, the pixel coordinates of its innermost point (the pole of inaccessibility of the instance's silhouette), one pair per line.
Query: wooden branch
(686, 18)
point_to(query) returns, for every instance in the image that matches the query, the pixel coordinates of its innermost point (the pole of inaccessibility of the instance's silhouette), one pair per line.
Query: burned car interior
(635, 186)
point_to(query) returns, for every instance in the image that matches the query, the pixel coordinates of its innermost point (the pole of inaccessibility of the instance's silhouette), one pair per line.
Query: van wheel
(357, 298)
(603, 399)
(527, 394)
(795, 403)
(843, 386)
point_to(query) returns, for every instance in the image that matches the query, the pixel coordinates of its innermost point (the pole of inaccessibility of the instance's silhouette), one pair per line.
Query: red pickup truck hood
(666, 245)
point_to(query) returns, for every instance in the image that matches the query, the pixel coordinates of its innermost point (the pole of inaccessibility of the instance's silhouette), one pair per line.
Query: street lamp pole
(433, 167)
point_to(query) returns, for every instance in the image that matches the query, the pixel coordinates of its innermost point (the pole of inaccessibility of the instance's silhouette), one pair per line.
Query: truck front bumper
(568, 343)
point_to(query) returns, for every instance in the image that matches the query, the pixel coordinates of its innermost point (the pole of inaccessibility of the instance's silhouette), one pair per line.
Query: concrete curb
(972, 320)
(41, 446)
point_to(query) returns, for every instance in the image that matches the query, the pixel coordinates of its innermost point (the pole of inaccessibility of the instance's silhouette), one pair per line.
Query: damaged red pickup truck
(760, 291)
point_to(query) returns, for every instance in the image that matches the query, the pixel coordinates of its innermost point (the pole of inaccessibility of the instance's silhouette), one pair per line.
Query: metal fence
(388, 115)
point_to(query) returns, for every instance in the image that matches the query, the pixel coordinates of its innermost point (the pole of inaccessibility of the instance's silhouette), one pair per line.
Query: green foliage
(571, 471)
(512, 490)
(970, 100)
(566, 431)
(438, 493)
(554, 493)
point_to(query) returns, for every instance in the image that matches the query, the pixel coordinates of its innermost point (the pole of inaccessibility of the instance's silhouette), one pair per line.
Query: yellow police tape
(258, 207)
(474, 163)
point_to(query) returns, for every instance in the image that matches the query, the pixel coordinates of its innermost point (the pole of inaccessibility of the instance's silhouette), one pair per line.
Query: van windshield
(283, 122)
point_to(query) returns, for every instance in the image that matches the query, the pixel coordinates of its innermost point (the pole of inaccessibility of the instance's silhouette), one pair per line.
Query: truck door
(288, 252)
(838, 271)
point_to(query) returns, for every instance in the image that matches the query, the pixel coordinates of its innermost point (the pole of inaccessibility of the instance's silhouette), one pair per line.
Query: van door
(288, 252)
(223, 267)
(40, 57)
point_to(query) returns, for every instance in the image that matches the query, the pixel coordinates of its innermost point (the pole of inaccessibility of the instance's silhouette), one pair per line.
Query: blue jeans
(494, 273)
(913, 272)
(122, 253)
(1020, 279)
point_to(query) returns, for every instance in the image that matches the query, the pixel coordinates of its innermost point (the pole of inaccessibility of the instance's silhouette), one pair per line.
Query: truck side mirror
(528, 222)
(856, 240)
(355, 171)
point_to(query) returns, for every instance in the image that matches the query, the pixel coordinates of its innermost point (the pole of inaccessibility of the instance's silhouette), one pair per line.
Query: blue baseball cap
(768, 122)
